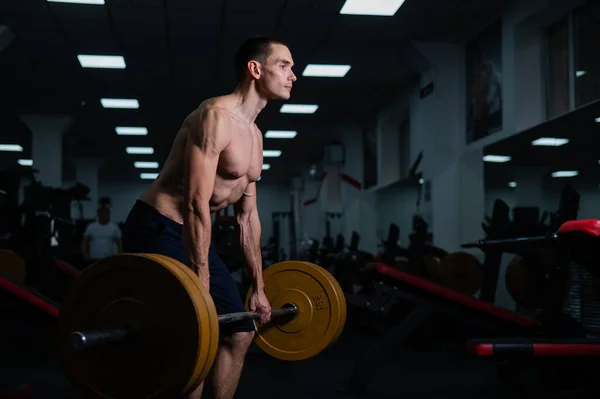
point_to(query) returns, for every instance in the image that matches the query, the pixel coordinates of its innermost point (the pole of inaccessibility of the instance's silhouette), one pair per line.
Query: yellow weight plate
(525, 279)
(461, 272)
(315, 326)
(341, 301)
(210, 341)
(12, 266)
(161, 301)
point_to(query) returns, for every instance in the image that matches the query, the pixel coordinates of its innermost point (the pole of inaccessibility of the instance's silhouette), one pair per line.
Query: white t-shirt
(102, 239)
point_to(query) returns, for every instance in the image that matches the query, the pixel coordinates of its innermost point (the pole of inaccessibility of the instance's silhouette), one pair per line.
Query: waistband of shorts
(145, 208)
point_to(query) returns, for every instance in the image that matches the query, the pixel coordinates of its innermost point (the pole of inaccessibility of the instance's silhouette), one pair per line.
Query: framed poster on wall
(484, 83)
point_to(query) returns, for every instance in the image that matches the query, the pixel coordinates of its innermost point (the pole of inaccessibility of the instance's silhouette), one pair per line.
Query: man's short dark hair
(256, 48)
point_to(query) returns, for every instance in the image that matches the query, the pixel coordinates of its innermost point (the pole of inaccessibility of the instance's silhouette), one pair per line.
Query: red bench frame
(428, 299)
(24, 293)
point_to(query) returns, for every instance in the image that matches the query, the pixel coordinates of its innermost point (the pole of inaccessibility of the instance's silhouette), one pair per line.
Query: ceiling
(579, 154)
(180, 52)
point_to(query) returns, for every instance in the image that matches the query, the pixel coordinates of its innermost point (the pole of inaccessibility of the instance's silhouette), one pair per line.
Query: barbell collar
(80, 341)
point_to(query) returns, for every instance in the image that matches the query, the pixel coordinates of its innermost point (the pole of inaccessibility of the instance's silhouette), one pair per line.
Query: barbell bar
(83, 340)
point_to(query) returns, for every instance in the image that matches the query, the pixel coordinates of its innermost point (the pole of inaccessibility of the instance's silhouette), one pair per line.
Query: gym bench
(428, 301)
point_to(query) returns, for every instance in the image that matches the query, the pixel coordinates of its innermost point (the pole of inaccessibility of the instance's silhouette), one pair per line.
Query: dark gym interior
(423, 220)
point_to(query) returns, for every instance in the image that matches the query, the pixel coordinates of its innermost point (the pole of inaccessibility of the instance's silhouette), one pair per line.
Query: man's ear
(254, 68)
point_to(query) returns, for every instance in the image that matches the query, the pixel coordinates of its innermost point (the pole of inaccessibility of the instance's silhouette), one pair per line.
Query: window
(557, 73)
(586, 30)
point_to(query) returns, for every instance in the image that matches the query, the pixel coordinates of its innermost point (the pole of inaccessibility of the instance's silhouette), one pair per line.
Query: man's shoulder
(213, 108)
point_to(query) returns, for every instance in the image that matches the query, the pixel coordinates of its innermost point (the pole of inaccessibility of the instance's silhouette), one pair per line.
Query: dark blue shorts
(148, 231)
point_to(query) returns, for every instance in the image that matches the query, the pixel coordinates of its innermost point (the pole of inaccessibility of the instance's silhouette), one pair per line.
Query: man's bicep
(208, 138)
(199, 173)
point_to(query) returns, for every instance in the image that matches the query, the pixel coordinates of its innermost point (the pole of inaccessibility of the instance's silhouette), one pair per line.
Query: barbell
(143, 325)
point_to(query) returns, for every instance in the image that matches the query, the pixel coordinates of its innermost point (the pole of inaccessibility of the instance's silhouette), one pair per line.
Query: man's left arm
(118, 240)
(248, 220)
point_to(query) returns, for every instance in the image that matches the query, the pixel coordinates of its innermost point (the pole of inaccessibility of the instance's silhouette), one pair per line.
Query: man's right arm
(209, 135)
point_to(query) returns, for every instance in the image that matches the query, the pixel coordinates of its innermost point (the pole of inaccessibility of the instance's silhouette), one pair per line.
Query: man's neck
(249, 103)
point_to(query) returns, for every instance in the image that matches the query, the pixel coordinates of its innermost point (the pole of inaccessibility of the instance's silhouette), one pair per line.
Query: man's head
(103, 214)
(268, 62)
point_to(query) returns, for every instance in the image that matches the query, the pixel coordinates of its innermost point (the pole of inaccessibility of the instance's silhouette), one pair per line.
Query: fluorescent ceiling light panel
(266, 166)
(128, 103)
(101, 61)
(259, 177)
(146, 165)
(148, 176)
(131, 131)
(597, 120)
(512, 184)
(280, 134)
(326, 71)
(565, 173)
(550, 142)
(496, 158)
(271, 153)
(25, 162)
(299, 109)
(580, 73)
(95, 2)
(140, 150)
(385, 8)
(11, 147)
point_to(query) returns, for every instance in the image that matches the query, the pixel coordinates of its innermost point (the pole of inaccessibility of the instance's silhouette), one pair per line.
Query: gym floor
(409, 372)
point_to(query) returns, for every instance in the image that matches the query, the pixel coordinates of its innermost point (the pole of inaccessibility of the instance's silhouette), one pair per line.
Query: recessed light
(271, 153)
(565, 173)
(148, 176)
(145, 165)
(11, 147)
(259, 177)
(298, 109)
(25, 162)
(140, 150)
(580, 73)
(496, 158)
(126, 103)
(326, 71)
(512, 184)
(280, 134)
(131, 131)
(266, 166)
(95, 2)
(597, 120)
(102, 61)
(385, 8)
(550, 141)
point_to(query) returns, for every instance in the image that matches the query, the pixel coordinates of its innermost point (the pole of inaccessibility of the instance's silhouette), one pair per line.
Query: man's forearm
(196, 239)
(250, 231)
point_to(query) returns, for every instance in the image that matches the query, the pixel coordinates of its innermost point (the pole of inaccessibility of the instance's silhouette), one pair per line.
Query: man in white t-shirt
(101, 238)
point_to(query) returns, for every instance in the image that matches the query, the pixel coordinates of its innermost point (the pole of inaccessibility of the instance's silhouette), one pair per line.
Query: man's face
(277, 76)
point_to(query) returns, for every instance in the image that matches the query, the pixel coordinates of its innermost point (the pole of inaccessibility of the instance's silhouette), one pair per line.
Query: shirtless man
(215, 161)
